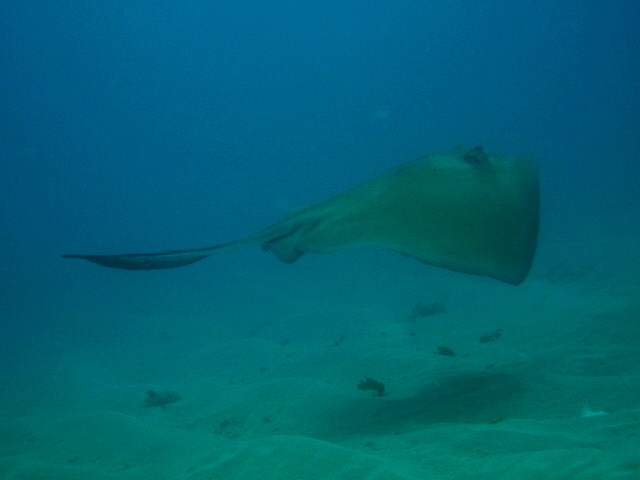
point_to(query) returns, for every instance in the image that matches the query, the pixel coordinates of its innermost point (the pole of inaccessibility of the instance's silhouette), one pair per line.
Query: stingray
(464, 210)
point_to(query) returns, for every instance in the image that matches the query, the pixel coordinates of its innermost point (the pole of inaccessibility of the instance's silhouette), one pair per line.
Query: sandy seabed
(556, 396)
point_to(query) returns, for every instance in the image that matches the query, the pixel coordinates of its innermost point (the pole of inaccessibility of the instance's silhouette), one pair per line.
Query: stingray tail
(142, 261)
(159, 260)
(270, 238)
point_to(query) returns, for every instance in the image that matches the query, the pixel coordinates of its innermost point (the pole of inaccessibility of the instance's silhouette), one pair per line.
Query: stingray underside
(463, 210)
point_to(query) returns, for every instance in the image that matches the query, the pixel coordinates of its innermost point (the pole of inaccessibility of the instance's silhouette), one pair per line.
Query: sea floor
(552, 391)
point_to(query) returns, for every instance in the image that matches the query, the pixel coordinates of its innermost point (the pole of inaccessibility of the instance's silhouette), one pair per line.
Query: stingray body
(463, 210)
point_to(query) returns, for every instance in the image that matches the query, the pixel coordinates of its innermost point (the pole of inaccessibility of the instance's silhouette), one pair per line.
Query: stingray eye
(476, 156)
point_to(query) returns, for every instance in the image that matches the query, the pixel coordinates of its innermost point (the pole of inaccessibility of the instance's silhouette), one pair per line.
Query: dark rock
(159, 399)
(371, 384)
(445, 351)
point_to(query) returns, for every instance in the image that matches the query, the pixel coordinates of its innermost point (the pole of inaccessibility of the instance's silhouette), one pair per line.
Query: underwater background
(140, 126)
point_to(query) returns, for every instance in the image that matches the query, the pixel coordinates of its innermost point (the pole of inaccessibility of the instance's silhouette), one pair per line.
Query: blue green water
(141, 126)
